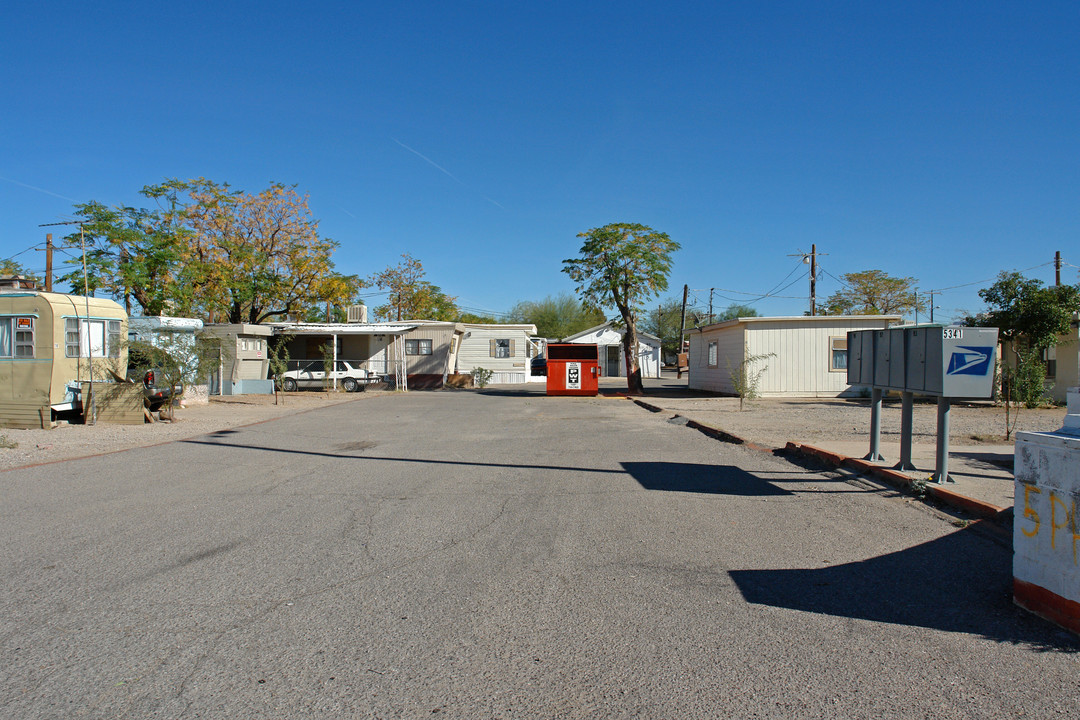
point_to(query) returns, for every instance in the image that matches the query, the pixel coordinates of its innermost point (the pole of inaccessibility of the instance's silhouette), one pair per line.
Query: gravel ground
(70, 441)
(775, 421)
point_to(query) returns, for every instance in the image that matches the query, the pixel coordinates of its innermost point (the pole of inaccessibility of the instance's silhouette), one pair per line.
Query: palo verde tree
(623, 265)
(873, 292)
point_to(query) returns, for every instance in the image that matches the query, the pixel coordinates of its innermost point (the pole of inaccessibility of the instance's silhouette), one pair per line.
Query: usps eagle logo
(970, 361)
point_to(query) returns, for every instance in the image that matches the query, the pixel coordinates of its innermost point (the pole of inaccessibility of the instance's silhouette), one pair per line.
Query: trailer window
(91, 338)
(17, 337)
(838, 354)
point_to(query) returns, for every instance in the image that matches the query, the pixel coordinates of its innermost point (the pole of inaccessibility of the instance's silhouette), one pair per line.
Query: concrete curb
(977, 508)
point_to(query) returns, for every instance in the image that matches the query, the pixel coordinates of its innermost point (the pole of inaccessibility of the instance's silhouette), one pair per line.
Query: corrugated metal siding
(801, 362)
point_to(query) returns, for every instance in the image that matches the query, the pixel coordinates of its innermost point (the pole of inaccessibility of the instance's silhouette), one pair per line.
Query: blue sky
(938, 140)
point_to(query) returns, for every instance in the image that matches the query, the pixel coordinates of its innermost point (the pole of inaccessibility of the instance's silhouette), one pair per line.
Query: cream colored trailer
(50, 345)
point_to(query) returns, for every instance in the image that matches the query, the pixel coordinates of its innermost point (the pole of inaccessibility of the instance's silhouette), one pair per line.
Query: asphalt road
(499, 555)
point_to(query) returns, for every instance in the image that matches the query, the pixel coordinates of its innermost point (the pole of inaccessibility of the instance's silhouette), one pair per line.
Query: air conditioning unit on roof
(357, 313)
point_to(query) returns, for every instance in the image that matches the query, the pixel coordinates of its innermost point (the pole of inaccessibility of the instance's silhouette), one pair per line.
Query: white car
(312, 374)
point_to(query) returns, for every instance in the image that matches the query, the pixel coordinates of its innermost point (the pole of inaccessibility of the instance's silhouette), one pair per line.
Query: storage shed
(50, 345)
(505, 350)
(243, 359)
(612, 361)
(807, 356)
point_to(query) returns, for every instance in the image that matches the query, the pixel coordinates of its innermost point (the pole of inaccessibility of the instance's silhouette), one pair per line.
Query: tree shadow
(698, 478)
(958, 583)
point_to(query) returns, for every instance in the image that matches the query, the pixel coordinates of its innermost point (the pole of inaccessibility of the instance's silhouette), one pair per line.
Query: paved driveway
(503, 555)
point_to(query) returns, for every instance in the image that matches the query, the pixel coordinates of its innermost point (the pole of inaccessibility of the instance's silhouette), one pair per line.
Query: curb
(978, 508)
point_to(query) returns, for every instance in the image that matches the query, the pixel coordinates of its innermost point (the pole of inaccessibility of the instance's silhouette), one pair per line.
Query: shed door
(613, 357)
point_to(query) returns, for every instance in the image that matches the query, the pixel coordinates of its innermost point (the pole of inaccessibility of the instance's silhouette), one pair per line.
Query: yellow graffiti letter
(1029, 512)
(1054, 527)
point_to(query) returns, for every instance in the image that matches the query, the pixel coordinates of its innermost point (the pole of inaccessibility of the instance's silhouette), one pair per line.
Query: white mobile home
(505, 350)
(800, 356)
(612, 360)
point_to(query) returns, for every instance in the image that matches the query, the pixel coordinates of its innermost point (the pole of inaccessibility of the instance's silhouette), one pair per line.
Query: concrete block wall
(1046, 526)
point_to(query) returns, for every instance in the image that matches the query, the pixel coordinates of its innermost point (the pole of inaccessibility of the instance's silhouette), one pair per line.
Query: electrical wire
(980, 282)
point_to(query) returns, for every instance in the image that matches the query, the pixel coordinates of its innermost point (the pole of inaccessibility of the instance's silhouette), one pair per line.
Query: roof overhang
(341, 329)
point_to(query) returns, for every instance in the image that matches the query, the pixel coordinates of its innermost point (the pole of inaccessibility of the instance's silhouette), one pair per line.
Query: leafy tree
(556, 316)
(412, 297)
(208, 249)
(664, 322)
(1029, 318)
(873, 292)
(10, 268)
(625, 265)
(735, 310)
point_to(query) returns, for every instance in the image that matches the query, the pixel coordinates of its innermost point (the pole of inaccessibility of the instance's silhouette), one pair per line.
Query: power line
(980, 282)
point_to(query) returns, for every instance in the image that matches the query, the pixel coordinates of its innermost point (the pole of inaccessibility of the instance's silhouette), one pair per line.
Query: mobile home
(50, 345)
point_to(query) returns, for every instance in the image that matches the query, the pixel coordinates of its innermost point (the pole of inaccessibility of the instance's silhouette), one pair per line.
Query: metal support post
(941, 466)
(906, 412)
(875, 426)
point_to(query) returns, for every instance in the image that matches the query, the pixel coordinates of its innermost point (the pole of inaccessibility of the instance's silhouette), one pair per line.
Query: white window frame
(92, 337)
(712, 359)
(418, 346)
(18, 337)
(502, 347)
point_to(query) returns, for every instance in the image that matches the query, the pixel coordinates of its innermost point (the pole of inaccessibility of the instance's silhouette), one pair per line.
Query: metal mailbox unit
(573, 369)
(947, 362)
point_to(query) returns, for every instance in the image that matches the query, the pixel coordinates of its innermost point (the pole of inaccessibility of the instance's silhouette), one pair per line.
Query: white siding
(475, 352)
(648, 351)
(730, 349)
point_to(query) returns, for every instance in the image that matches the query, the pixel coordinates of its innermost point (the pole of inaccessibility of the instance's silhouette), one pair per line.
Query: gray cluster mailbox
(947, 362)
(953, 362)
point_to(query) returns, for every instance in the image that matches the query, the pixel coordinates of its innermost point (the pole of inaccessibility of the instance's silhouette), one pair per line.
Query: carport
(378, 347)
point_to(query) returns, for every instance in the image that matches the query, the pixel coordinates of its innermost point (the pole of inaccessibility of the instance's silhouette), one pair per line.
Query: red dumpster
(573, 369)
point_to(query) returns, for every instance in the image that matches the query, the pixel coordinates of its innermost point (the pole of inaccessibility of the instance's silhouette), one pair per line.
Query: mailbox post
(947, 362)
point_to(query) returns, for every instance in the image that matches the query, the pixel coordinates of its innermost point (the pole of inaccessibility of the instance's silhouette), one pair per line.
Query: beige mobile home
(505, 350)
(51, 343)
(807, 356)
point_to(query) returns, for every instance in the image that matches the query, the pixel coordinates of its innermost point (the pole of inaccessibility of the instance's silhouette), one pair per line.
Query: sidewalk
(982, 472)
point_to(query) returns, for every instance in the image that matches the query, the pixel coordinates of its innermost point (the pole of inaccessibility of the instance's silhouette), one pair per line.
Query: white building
(806, 356)
(612, 362)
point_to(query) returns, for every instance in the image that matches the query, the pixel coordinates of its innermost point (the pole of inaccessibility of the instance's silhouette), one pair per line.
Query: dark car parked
(539, 365)
(155, 392)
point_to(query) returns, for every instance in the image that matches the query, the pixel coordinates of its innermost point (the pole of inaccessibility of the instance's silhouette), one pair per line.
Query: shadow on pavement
(959, 583)
(698, 478)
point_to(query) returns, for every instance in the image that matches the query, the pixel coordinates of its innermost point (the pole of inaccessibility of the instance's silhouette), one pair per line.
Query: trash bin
(573, 369)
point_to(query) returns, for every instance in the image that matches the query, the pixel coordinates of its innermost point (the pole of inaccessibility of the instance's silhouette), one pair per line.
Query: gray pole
(906, 412)
(875, 426)
(941, 466)
(813, 280)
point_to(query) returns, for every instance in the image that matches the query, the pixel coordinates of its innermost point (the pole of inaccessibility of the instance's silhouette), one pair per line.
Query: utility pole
(932, 293)
(48, 262)
(1057, 268)
(682, 329)
(710, 304)
(811, 260)
(92, 417)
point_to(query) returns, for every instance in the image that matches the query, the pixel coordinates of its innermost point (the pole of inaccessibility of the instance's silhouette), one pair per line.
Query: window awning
(341, 329)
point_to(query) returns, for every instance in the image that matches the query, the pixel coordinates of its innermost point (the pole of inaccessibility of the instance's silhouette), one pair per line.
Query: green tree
(664, 322)
(735, 310)
(623, 265)
(873, 292)
(556, 316)
(411, 297)
(10, 268)
(1029, 319)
